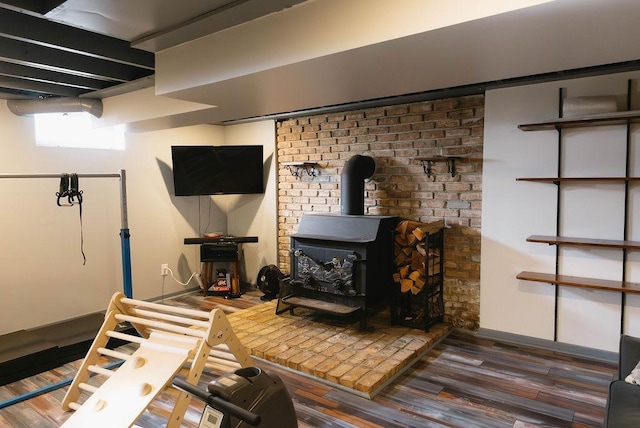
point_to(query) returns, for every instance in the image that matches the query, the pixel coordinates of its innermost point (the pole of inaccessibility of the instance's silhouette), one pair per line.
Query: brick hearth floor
(363, 362)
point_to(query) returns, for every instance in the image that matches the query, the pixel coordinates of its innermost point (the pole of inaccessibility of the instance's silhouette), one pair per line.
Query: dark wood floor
(464, 381)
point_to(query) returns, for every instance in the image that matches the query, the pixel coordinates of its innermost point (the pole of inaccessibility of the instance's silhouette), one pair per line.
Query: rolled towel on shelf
(584, 106)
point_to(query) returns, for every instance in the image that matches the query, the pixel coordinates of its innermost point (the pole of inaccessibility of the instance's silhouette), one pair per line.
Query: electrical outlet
(164, 269)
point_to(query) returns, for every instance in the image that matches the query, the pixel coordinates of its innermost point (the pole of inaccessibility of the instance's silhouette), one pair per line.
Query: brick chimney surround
(395, 136)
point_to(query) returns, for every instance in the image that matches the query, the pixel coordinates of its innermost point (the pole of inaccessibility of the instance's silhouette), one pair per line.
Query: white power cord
(193, 275)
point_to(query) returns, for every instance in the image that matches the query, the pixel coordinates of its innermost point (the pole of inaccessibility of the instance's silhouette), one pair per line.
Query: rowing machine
(246, 397)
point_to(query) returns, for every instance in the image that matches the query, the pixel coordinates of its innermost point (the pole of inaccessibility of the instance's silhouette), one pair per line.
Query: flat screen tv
(217, 170)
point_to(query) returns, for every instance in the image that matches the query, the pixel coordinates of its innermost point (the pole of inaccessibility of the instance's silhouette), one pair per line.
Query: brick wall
(394, 136)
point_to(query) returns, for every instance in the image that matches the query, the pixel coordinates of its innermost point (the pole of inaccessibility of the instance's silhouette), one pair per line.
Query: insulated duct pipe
(356, 169)
(55, 105)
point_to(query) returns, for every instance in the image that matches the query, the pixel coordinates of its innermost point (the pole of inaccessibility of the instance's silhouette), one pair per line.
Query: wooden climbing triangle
(170, 340)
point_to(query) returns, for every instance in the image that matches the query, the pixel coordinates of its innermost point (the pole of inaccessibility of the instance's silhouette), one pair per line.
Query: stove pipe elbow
(355, 171)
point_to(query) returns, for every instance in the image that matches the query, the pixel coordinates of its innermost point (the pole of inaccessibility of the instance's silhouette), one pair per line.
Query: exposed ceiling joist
(47, 76)
(43, 88)
(40, 58)
(28, 54)
(81, 48)
(37, 6)
(53, 35)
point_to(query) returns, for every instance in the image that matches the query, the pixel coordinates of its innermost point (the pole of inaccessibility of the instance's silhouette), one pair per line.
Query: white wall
(256, 215)
(43, 279)
(512, 211)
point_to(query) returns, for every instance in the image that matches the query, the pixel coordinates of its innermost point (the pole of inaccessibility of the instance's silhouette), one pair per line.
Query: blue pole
(48, 388)
(126, 263)
(35, 393)
(127, 284)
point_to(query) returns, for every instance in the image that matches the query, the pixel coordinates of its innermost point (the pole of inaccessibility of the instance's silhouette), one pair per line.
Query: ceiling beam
(231, 14)
(44, 89)
(9, 94)
(52, 77)
(20, 52)
(40, 31)
(37, 6)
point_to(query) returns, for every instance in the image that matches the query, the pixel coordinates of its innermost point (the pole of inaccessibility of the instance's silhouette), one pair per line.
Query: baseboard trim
(549, 345)
(174, 294)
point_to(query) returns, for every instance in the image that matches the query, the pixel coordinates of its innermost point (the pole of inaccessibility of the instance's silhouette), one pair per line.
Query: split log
(418, 285)
(412, 239)
(421, 231)
(406, 227)
(404, 272)
(415, 275)
(401, 240)
(417, 260)
(401, 259)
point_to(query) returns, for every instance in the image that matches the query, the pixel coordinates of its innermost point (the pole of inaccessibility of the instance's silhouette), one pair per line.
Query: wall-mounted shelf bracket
(296, 168)
(428, 161)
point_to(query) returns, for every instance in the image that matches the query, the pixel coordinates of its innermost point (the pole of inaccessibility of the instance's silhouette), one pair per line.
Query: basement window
(76, 130)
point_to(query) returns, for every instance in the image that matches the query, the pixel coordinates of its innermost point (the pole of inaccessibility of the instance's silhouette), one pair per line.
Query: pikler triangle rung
(170, 339)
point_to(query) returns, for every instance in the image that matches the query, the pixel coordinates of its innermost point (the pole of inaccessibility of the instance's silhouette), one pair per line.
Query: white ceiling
(157, 24)
(282, 65)
(131, 20)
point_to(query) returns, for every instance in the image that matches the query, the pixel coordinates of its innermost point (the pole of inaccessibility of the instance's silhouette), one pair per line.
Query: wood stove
(341, 264)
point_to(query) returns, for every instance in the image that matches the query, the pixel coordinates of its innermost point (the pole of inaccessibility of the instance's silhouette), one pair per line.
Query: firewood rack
(425, 307)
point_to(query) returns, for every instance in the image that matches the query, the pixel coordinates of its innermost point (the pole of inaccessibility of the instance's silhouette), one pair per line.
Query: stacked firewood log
(414, 261)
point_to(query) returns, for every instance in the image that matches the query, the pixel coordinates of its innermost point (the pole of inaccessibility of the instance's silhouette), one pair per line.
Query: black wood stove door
(330, 270)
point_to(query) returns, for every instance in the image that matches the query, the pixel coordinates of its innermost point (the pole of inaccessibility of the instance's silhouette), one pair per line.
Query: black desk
(222, 249)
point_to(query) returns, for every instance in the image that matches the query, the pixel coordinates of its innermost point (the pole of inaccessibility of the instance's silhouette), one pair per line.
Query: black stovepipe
(355, 171)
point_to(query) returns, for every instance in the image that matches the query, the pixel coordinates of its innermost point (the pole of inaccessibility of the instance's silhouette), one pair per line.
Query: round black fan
(269, 281)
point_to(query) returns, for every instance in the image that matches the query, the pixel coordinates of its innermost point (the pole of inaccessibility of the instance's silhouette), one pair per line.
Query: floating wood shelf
(584, 242)
(575, 281)
(557, 180)
(621, 118)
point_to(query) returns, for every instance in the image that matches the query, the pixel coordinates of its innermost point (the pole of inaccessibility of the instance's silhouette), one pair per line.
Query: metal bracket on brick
(450, 160)
(296, 168)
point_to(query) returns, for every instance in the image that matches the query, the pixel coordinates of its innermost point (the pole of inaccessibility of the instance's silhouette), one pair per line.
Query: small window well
(76, 130)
